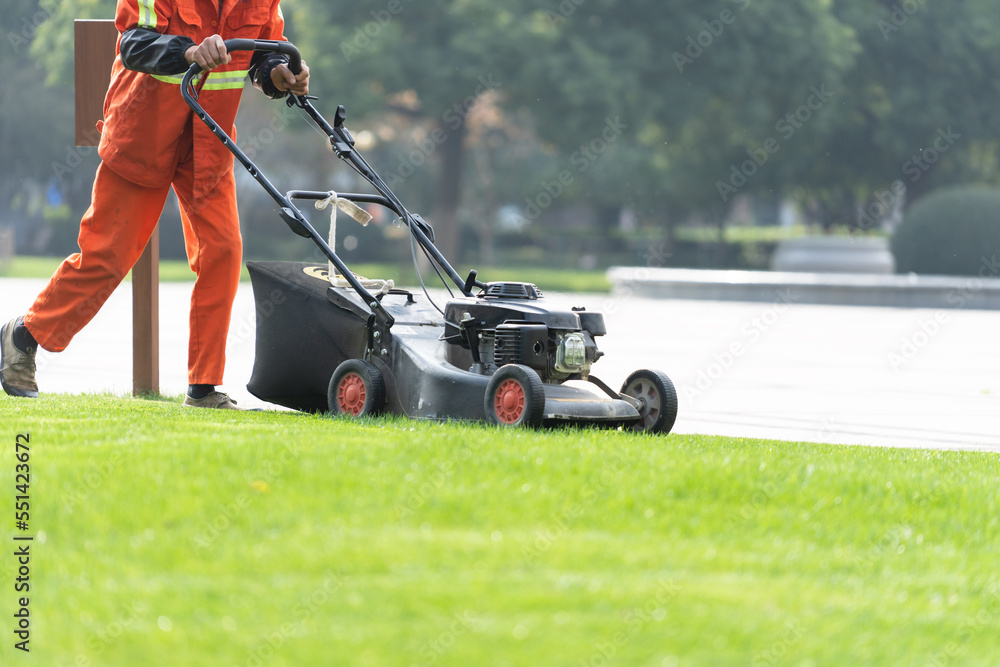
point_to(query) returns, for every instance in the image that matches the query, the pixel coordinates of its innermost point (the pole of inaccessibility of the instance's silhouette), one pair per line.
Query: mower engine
(505, 324)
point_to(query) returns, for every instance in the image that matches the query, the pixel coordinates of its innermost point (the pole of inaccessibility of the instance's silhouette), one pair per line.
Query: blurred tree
(671, 108)
(53, 47)
(43, 171)
(434, 60)
(831, 102)
(737, 93)
(30, 117)
(919, 106)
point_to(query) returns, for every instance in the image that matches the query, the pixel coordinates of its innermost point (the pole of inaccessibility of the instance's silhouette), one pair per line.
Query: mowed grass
(180, 537)
(556, 280)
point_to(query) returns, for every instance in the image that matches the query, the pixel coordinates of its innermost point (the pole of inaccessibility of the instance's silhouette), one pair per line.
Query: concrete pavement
(778, 369)
(838, 374)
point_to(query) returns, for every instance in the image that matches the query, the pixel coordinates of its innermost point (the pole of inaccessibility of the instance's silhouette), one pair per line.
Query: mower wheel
(357, 388)
(659, 398)
(515, 396)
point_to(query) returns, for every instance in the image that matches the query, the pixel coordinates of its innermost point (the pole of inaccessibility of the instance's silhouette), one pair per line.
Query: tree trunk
(719, 260)
(487, 244)
(669, 232)
(487, 210)
(448, 193)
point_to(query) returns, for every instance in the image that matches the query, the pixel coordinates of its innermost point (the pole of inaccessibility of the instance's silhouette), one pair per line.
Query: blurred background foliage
(577, 133)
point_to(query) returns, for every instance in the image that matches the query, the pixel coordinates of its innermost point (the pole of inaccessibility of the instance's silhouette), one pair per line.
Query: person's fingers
(284, 80)
(301, 85)
(224, 57)
(282, 77)
(207, 58)
(212, 53)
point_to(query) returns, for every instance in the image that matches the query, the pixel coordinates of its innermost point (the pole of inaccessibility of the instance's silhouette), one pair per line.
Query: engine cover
(519, 329)
(489, 313)
(517, 343)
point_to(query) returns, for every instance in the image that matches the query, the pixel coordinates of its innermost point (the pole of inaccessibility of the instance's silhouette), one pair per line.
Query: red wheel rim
(351, 394)
(508, 401)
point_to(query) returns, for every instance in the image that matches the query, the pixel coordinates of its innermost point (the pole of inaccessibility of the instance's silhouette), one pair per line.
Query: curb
(831, 289)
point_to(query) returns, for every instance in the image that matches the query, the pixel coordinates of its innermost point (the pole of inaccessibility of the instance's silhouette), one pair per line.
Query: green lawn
(178, 537)
(43, 267)
(745, 233)
(556, 280)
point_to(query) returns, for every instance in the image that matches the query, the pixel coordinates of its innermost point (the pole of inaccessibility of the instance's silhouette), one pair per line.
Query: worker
(150, 141)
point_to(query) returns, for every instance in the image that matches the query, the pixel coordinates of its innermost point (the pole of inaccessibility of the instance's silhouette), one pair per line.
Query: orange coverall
(151, 141)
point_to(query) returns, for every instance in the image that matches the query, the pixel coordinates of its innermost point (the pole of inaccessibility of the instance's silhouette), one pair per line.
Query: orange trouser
(113, 233)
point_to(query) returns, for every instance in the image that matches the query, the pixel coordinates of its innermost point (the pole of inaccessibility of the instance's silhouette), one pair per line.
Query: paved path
(837, 374)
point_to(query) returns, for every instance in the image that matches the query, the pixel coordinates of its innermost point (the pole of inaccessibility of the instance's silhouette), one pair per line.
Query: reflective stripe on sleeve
(147, 13)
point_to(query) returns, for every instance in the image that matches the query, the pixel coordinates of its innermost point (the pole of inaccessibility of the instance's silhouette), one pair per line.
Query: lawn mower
(329, 340)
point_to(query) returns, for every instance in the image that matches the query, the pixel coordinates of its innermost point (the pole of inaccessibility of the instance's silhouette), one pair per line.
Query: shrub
(949, 232)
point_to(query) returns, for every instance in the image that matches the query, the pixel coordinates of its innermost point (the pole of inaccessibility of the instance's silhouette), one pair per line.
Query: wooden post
(94, 53)
(146, 319)
(94, 50)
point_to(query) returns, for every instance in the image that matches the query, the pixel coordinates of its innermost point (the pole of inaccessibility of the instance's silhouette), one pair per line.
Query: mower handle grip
(266, 45)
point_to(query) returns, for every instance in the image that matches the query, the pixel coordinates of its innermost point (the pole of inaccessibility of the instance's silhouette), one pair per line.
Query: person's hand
(284, 80)
(210, 54)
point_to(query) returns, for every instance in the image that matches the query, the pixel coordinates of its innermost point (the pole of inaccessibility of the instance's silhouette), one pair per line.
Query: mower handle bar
(266, 45)
(343, 146)
(291, 215)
